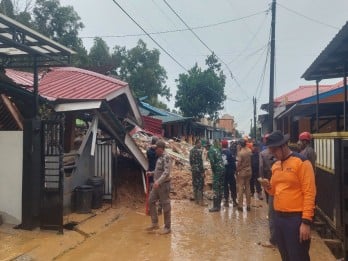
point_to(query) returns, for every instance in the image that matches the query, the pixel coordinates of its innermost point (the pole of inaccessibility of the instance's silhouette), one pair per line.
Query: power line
(164, 50)
(177, 30)
(307, 17)
(191, 30)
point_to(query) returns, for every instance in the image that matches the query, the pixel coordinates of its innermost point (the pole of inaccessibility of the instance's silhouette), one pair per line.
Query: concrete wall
(11, 162)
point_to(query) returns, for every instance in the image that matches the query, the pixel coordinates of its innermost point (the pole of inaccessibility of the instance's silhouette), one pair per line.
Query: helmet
(224, 143)
(305, 136)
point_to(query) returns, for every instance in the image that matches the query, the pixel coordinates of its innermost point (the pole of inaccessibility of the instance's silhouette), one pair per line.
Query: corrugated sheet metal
(304, 92)
(152, 125)
(75, 83)
(69, 83)
(21, 78)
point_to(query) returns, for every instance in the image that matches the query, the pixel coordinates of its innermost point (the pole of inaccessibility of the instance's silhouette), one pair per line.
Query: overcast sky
(236, 30)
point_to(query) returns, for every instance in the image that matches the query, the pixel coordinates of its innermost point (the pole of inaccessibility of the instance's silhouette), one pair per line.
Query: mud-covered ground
(117, 231)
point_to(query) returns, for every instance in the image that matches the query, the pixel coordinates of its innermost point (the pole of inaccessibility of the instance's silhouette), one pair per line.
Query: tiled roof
(305, 91)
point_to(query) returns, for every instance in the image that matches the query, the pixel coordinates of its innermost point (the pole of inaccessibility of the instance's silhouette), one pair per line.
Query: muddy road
(196, 235)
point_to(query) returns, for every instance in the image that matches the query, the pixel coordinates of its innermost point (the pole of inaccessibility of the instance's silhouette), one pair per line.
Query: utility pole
(254, 102)
(271, 84)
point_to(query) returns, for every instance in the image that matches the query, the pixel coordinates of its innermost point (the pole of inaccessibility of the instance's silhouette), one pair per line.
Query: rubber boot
(216, 205)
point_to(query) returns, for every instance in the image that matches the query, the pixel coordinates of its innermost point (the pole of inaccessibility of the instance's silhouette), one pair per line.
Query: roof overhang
(331, 61)
(78, 106)
(19, 45)
(309, 110)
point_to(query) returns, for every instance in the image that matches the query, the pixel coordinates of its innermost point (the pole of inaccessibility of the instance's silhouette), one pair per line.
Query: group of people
(235, 171)
(287, 177)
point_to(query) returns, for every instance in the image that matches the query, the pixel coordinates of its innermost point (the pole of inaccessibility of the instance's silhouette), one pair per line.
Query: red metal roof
(21, 78)
(305, 91)
(75, 83)
(69, 83)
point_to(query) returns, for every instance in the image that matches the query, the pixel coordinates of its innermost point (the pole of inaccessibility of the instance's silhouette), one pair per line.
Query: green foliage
(60, 23)
(201, 92)
(140, 68)
(6, 8)
(99, 54)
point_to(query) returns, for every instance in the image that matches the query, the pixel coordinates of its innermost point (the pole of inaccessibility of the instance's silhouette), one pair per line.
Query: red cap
(224, 143)
(305, 136)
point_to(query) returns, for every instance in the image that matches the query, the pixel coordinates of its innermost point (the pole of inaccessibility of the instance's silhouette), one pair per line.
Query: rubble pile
(181, 178)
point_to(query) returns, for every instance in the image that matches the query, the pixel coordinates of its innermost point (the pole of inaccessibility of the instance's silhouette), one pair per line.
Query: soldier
(161, 189)
(218, 169)
(197, 169)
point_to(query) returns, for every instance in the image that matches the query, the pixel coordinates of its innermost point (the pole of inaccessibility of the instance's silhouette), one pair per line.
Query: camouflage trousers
(197, 185)
(162, 194)
(218, 183)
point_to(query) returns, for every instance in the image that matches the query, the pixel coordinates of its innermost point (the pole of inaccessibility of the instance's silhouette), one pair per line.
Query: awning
(309, 110)
(330, 63)
(18, 43)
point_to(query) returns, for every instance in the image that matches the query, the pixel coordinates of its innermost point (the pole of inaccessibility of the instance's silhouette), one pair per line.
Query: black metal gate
(51, 214)
(104, 165)
(344, 193)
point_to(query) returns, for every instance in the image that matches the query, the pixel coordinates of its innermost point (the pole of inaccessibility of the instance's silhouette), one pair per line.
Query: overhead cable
(177, 30)
(164, 50)
(193, 32)
(307, 17)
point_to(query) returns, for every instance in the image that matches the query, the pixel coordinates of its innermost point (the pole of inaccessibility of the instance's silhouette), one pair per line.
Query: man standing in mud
(293, 187)
(197, 169)
(161, 189)
(218, 169)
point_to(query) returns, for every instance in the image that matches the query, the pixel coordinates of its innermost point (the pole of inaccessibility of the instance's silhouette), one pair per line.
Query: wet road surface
(196, 235)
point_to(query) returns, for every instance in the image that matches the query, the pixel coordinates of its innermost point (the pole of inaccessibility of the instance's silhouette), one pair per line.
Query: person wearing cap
(161, 189)
(305, 147)
(230, 168)
(218, 169)
(197, 169)
(293, 187)
(243, 174)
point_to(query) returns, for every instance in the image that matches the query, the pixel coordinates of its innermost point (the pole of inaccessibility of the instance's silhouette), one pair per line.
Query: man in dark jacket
(255, 164)
(230, 168)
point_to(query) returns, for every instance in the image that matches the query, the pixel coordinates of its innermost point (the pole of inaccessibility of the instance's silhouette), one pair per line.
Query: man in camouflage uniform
(161, 189)
(197, 169)
(218, 169)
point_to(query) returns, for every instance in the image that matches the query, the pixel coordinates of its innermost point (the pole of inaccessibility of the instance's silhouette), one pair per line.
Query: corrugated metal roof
(160, 114)
(75, 83)
(330, 62)
(304, 92)
(70, 83)
(21, 78)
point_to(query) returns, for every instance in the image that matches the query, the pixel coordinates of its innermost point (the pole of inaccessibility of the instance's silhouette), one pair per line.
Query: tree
(99, 54)
(201, 93)
(6, 8)
(60, 23)
(140, 68)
